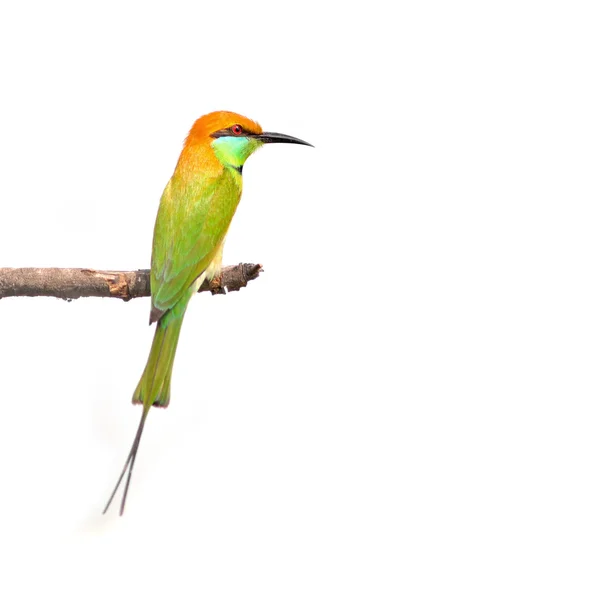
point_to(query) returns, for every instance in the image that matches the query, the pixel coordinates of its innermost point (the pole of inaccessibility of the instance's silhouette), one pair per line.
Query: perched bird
(195, 211)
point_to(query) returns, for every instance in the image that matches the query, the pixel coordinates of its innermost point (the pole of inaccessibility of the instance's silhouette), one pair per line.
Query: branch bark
(70, 284)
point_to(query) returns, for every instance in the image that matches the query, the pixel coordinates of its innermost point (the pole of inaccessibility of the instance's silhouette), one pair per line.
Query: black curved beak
(269, 137)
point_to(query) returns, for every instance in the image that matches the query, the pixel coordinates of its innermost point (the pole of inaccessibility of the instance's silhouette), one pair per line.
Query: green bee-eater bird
(195, 211)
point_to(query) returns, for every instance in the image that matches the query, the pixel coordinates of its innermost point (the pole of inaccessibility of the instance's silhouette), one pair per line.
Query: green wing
(192, 221)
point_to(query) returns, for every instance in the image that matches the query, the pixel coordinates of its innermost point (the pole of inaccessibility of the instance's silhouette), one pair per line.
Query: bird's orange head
(232, 137)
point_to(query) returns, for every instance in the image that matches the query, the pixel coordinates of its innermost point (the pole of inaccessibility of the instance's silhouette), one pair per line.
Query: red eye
(237, 130)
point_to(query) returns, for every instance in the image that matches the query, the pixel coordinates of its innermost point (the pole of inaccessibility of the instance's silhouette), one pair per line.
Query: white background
(406, 403)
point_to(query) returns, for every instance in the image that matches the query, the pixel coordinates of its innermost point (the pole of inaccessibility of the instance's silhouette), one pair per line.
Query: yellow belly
(214, 268)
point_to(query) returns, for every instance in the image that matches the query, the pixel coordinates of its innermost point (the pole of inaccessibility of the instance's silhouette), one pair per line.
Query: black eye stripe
(230, 132)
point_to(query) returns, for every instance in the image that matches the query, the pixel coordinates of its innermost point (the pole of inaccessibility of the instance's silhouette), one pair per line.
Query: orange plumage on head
(197, 154)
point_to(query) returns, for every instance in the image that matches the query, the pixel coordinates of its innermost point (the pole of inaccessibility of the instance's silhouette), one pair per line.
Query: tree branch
(70, 284)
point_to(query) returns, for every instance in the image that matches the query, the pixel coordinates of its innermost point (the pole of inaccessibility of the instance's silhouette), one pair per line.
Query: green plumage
(193, 219)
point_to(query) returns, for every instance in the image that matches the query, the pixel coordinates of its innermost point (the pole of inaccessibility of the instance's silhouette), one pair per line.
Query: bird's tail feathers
(154, 388)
